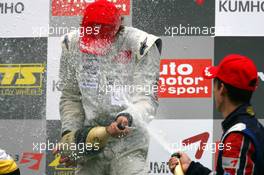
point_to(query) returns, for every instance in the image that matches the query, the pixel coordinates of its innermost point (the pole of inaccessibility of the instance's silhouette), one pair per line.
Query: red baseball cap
(236, 70)
(105, 15)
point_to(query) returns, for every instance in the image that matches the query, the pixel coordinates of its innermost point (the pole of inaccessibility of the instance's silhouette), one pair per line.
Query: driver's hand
(184, 159)
(119, 128)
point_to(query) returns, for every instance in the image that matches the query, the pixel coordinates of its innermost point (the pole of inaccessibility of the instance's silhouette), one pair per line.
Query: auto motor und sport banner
(184, 78)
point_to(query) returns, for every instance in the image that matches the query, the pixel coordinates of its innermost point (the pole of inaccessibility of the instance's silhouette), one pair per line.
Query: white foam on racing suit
(95, 89)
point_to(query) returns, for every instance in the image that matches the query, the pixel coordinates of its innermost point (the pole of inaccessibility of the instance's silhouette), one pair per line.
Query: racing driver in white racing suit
(109, 77)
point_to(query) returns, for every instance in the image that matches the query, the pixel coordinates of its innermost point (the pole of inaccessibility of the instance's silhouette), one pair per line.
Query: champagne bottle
(95, 136)
(178, 169)
(99, 136)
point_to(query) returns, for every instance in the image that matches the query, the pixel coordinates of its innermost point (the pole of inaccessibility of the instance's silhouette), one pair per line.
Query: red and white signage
(181, 78)
(193, 137)
(32, 160)
(76, 7)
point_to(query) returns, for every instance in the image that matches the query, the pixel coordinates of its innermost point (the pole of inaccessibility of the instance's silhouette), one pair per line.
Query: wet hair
(236, 95)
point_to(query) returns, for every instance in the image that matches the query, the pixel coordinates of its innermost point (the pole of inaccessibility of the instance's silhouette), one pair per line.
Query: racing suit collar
(234, 116)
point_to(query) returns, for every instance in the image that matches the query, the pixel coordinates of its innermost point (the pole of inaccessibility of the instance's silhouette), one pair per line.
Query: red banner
(76, 7)
(184, 78)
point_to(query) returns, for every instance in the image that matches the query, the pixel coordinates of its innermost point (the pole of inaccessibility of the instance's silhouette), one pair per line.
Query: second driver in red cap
(242, 151)
(109, 79)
